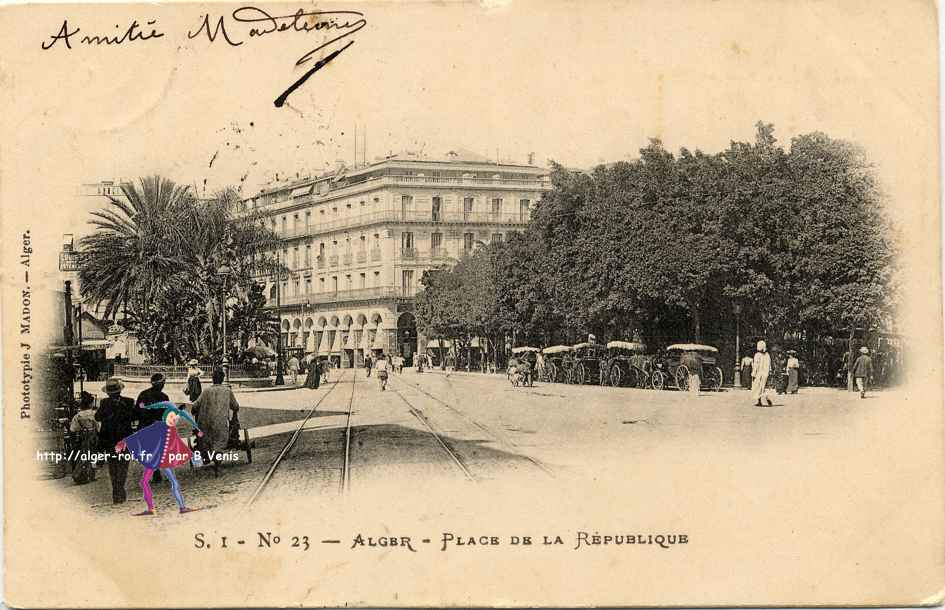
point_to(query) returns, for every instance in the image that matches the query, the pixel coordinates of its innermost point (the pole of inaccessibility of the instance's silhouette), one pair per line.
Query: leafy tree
(157, 259)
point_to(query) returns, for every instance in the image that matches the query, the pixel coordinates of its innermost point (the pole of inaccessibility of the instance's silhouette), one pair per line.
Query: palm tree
(156, 257)
(135, 248)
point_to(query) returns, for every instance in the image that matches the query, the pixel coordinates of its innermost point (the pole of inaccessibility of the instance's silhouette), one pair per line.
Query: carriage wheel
(714, 381)
(580, 374)
(552, 372)
(602, 374)
(658, 380)
(567, 376)
(682, 378)
(616, 376)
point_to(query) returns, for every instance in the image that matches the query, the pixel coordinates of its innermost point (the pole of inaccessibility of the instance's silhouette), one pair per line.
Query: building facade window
(363, 280)
(523, 207)
(467, 207)
(334, 283)
(308, 255)
(321, 284)
(308, 221)
(436, 244)
(284, 225)
(406, 205)
(496, 207)
(406, 240)
(467, 242)
(408, 282)
(308, 286)
(496, 237)
(295, 257)
(377, 279)
(436, 210)
(348, 285)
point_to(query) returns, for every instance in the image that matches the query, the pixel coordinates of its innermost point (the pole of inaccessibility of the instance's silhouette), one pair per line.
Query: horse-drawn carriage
(524, 354)
(557, 363)
(627, 365)
(587, 360)
(669, 371)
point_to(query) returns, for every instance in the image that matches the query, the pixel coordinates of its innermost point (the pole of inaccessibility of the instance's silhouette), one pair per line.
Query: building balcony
(408, 253)
(340, 296)
(374, 182)
(362, 256)
(507, 219)
(438, 252)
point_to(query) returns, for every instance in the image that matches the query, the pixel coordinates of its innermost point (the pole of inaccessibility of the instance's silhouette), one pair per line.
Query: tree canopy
(668, 245)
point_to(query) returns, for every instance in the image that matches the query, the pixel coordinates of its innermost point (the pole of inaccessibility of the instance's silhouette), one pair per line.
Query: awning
(302, 191)
(350, 343)
(379, 340)
(87, 344)
(324, 346)
(436, 343)
(365, 340)
(336, 346)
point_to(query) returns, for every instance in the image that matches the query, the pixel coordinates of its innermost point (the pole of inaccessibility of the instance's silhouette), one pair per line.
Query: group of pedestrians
(145, 431)
(759, 370)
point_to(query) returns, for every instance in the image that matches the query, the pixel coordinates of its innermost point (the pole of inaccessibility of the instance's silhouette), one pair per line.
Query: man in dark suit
(146, 417)
(117, 413)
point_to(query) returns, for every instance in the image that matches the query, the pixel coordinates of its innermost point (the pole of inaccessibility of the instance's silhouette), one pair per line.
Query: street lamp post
(737, 309)
(224, 272)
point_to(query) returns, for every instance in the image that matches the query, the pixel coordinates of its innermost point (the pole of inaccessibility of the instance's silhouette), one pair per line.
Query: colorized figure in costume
(159, 447)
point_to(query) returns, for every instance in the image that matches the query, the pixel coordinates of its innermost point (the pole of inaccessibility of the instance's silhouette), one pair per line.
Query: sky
(578, 83)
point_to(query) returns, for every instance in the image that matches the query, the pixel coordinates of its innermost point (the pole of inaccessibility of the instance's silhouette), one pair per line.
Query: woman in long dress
(793, 366)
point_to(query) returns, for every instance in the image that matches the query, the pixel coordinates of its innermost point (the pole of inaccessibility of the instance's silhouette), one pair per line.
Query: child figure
(159, 446)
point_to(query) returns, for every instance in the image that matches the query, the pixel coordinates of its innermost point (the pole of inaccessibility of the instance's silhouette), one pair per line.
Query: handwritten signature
(245, 23)
(344, 23)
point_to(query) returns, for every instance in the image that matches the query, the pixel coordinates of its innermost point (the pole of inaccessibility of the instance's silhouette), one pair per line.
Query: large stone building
(357, 241)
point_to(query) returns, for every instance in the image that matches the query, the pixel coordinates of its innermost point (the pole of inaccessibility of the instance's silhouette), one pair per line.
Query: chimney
(531, 158)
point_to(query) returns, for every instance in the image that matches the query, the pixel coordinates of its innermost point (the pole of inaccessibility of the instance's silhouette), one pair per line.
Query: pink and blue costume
(159, 446)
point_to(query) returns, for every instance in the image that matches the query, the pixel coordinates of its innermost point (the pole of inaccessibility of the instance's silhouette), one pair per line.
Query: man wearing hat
(116, 414)
(193, 381)
(150, 396)
(863, 370)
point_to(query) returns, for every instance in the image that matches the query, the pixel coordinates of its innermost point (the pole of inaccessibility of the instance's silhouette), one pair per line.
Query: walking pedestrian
(116, 414)
(215, 404)
(83, 424)
(793, 369)
(382, 367)
(313, 376)
(194, 388)
(863, 370)
(368, 363)
(746, 371)
(146, 416)
(693, 363)
(760, 368)
(294, 369)
(159, 446)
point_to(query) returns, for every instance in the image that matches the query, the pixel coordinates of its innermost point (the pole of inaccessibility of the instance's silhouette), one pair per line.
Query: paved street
(438, 430)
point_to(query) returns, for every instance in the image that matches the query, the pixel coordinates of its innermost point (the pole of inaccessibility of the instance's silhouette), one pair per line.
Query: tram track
(420, 416)
(506, 444)
(298, 432)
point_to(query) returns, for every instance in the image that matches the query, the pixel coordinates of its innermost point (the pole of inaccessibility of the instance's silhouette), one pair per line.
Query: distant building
(356, 242)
